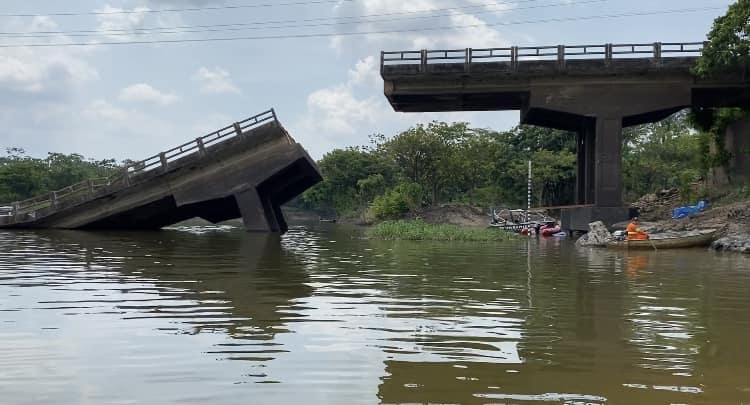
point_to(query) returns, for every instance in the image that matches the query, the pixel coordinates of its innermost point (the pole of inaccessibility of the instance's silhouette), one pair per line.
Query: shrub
(397, 201)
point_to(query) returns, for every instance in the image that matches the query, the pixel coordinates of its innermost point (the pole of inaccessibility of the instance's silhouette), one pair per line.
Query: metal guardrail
(560, 53)
(87, 189)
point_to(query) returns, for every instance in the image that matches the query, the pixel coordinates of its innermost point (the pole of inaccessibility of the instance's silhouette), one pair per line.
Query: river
(215, 315)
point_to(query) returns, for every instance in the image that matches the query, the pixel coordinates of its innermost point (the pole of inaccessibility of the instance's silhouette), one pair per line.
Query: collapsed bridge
(245, 170)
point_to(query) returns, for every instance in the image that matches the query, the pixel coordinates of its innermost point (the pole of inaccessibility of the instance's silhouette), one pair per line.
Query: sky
(123, 93)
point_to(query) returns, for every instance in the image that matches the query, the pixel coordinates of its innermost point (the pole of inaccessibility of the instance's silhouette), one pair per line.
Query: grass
(420, 230)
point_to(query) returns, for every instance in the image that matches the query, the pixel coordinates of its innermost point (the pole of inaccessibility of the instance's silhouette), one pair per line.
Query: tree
(661, 155)
(367, 189)
(428, 156)
(22, 176)
(342, 169)
(728, 41)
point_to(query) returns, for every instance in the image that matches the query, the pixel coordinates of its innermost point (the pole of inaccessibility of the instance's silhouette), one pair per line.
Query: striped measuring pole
(528, 195)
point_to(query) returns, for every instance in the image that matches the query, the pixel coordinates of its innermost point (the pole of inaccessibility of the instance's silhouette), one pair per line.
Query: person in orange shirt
(635, 233)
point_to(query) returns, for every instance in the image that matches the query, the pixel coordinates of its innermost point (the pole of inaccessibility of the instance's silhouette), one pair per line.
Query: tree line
(23, 176)
(454, 163)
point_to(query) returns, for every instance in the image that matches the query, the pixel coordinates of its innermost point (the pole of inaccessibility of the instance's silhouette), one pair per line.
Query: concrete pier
(246, 170)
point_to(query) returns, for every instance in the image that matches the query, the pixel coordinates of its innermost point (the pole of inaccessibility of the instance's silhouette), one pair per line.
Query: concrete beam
(613, 99)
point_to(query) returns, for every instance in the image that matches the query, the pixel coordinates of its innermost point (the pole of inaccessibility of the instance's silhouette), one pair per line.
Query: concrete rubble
(598, 235)
(733, 243)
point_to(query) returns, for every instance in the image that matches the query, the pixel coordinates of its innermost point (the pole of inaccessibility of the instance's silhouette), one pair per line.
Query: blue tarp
(682, 212)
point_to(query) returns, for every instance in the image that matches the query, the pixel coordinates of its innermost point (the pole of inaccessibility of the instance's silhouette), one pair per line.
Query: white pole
(528, 196)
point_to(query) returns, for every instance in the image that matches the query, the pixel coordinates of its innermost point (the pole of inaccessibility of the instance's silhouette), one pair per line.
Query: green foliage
(662, 155)
(447, 163)
(552, 175)
(342, 189)
(419, 230)
(727, 49)
(22, 176)
(428, 156)
(714, 123)
(728, 42)
(440, 162)
(396, 202)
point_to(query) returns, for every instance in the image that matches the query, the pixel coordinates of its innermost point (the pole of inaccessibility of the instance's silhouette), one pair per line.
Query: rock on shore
(598, 235)
(733, 243)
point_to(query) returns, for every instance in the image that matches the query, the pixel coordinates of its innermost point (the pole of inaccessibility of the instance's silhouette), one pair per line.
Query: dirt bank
(656, 214)
(730, 214)
(454, 214)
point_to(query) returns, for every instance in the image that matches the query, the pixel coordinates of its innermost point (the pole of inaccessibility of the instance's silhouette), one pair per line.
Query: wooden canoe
(669, 241)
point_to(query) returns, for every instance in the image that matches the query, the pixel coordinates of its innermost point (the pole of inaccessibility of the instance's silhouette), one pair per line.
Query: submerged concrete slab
(247, 170)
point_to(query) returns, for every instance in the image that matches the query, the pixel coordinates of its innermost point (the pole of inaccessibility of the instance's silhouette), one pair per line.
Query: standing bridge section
(592, 90)
(245, 170)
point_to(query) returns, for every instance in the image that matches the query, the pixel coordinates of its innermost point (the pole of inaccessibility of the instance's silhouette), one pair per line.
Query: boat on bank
(668, 240)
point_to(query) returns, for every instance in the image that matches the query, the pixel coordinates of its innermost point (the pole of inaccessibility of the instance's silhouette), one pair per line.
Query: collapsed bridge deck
(245, 170)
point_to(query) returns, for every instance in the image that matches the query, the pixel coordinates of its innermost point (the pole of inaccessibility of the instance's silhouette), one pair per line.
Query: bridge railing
(122, 178)
(561, 53)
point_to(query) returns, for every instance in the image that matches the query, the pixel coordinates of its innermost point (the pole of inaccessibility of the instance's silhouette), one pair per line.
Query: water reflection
(101, 307)
(243, 286)
(324, 316)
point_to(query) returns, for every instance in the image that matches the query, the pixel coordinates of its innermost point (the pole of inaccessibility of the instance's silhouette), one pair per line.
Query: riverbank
(730, 213)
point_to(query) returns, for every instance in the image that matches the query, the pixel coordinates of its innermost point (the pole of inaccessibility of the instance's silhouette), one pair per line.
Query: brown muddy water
(215, 315)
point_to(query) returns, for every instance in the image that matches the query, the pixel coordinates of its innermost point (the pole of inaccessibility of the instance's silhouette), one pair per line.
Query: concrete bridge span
(245, 170)
(592, 90)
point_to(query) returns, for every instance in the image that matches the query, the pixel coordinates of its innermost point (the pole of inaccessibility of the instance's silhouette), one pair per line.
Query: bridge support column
(586, 144)
(608, 151)
(599, 175)
(258, 213)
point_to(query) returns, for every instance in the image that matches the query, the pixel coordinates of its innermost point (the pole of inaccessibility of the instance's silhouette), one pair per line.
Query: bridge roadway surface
(592, 90)
(246, 170)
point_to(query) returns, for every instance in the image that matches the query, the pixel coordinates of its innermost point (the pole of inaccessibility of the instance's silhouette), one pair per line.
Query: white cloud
(336, 110)
(216, 81)
(365, 72)
(345, 114)
(127, 132)
(102, 110)
(423, 23)
(48, 71)
(118, 23)
(144, 93)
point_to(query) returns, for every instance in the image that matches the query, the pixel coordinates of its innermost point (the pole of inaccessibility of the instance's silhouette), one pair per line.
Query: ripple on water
(213, 314)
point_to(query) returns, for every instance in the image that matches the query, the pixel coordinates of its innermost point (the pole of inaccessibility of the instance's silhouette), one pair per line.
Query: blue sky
(113, 99)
